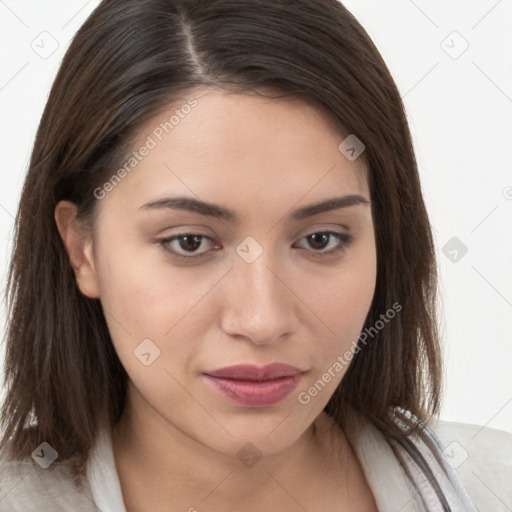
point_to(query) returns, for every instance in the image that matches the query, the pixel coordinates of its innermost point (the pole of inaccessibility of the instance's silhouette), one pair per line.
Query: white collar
(382, 470)
(102, 475)
(391, 488)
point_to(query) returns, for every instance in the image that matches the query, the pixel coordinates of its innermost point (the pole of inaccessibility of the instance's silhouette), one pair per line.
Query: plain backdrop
(452, 62)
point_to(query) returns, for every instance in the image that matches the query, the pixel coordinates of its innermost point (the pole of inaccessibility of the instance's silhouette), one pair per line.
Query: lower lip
(255, 394)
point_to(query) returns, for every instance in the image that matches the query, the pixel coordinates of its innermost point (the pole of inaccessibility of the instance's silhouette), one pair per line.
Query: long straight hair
(126, 64)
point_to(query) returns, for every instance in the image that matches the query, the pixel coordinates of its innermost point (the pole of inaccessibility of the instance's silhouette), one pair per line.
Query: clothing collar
(102, 474)
(416, 460)
(394, 471)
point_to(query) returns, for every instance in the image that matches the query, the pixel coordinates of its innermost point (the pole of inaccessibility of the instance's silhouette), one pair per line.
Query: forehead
(242, 149)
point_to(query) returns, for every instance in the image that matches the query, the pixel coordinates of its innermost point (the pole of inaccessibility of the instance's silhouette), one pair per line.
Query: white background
(459, 107)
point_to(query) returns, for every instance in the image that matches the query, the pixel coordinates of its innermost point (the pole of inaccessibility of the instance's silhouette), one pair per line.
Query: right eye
(186, 243)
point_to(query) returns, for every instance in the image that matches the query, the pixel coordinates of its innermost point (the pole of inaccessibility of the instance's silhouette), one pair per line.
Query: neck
(158, 462)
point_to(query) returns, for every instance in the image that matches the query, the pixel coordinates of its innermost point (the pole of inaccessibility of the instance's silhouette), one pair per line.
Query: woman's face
(247, 283)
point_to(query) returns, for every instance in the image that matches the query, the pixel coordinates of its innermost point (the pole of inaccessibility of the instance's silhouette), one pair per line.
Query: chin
(263, 431)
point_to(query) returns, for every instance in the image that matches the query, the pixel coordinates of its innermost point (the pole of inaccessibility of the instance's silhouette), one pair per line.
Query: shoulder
(482, 458)
(26, 486)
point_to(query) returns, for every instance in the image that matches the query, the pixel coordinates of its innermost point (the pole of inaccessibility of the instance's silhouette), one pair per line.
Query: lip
(250, 385)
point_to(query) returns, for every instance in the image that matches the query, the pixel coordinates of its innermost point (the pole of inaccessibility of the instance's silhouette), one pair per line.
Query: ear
(79, 247)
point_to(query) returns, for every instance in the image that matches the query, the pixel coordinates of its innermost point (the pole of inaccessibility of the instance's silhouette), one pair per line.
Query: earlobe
(79, 247)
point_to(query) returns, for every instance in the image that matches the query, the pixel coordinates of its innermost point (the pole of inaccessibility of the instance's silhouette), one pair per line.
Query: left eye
(319, 241)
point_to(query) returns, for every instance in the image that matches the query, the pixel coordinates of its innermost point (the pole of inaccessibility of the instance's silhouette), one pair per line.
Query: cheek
(132, 297)
(144, 297)
(342, 300)
(343, 297)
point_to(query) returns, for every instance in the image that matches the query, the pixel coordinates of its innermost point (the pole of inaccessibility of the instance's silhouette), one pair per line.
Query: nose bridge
(259, 304)
(253, 266)
(259, 282)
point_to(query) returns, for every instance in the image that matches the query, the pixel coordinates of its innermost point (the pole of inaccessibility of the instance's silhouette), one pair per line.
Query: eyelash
(344, 238)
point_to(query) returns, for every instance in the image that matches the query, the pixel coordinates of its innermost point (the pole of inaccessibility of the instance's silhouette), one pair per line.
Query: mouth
(255, 386)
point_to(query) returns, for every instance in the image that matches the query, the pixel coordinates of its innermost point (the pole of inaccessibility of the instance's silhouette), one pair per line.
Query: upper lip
(254, 372)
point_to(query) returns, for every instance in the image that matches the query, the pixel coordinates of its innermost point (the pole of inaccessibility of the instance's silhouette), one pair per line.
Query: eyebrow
(226, 214)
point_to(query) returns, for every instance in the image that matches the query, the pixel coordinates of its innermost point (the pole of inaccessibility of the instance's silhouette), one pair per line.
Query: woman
(223, 282)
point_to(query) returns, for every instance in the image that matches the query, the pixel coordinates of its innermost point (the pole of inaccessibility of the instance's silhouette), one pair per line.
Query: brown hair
(130, 60)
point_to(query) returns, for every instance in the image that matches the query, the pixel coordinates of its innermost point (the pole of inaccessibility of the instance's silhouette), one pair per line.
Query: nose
(257, 304)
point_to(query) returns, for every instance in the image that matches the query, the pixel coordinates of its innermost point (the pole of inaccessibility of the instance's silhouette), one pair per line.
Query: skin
(177, 443)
